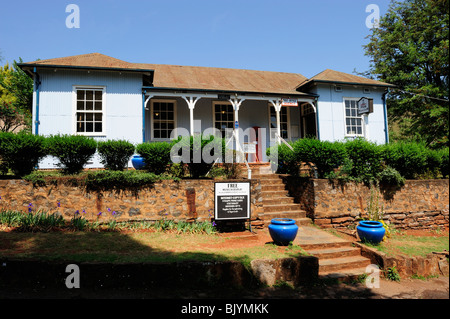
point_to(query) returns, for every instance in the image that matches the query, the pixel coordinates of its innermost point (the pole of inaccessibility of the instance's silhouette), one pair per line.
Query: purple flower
(84, 211)
(58, 204)
(109, 209)
(99, 214)
(114, 212)
(77, 212)
(214, 224)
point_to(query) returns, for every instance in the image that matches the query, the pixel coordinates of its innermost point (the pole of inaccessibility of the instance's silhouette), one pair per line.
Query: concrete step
(281, 208)
(265, 176)
(299, 221)
(344, 274)
(276, 187)
(271, 181)
(278, 200)
(335, 252)
(335, 265)
(275, 194)
(283, 214)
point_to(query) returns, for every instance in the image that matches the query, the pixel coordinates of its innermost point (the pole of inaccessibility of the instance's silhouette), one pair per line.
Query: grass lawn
(413, 245)
(119, 247)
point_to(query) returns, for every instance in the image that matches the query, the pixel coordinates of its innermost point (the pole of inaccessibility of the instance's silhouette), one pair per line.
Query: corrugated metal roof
(341, 77)
(221, 79)
(208, 78)
(94, 60)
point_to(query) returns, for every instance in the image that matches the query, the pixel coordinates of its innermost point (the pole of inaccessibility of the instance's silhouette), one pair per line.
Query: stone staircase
(338, 259)
(276, 200)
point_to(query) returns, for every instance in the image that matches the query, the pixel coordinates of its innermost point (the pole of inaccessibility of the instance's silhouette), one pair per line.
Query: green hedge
(199, 153)
(72, 151)
(156, 156)
(326, 156)
(361, 160)
(115, 154)
(21, 152)
(366, 158)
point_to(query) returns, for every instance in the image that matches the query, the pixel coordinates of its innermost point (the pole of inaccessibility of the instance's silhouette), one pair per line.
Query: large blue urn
(283, 230)
(138, 162)
(371, 231)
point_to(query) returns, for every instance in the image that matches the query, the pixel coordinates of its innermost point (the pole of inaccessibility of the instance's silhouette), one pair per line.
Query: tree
(410, 50)
(16, 98)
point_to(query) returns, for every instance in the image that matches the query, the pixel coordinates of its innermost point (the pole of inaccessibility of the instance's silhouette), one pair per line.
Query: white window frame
(152, 121)
(214, 112)
(363, 122)
(272, 131)
(75, 88)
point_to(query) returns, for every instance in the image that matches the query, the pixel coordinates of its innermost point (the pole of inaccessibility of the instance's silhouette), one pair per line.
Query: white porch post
(277, 106)
(236, 103)
(191, 104)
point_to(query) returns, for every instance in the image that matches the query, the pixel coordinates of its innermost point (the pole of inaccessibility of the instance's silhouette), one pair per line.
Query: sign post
(232, 201)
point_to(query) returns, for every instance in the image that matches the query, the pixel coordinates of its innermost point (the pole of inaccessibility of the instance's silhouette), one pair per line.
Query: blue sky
(296, 36)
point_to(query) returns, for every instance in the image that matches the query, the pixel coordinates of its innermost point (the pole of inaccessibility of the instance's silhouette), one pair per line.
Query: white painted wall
(123, 105)
(332, 112)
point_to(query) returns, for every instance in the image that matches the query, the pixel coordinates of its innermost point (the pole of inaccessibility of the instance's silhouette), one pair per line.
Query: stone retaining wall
(418, 204)
(182, 200)
(434, 264)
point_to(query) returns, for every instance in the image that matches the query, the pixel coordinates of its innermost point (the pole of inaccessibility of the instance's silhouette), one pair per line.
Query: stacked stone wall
(177, 200)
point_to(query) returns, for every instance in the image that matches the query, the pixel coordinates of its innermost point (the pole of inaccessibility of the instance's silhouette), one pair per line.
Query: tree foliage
(410, 50)
(16, 98)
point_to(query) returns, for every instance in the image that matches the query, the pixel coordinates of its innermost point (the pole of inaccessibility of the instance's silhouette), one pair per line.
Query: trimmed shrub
(410, 159)
(72, 151)
(114, 155)
(366, 157)
(443, 167)
(285, 158)
(119, 180)
(326, 155)
(390, 176)
(199, 153)
(156, 156)
(21, 152)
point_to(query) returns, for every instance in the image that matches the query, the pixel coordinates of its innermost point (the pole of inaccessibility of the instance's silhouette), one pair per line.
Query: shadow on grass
(117, 265)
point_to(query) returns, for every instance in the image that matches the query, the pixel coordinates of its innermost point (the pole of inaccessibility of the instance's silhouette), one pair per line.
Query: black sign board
(232, 200)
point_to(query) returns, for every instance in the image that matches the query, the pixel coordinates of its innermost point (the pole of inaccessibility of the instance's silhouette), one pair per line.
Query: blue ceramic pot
(283, 230)
(138, 162)
(371, 231)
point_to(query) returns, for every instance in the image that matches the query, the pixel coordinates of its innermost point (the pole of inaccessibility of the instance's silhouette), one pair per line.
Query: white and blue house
(106, 98)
